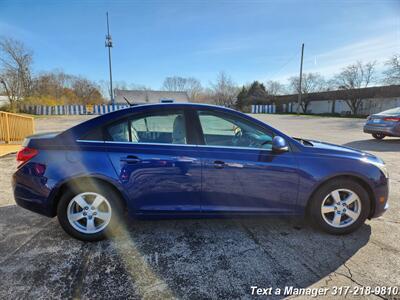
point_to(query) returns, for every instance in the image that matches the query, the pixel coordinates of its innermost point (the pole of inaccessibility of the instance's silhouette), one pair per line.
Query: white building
(4, 100)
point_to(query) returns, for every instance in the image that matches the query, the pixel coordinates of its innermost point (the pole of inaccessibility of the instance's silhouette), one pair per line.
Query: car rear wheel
(340, 206)
(378, 136)
(89, 213)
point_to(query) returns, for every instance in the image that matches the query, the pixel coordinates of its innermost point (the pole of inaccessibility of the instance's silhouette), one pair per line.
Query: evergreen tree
(257, 93)
(241, 98)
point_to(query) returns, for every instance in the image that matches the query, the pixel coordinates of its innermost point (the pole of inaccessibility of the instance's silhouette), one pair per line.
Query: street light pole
(300, 80)
(109, 46)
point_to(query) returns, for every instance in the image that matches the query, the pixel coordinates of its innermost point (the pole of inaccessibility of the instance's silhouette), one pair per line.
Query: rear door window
(157, 127)
(119, 132)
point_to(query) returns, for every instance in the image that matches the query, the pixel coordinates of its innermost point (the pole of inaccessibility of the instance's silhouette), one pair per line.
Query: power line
(284, 65)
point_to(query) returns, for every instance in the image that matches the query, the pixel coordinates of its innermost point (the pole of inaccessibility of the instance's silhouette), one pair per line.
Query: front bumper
(381, 195)
(380, 211)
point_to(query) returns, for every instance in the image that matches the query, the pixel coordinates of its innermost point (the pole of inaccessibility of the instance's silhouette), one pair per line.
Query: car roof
(150, 106)
(178, 104)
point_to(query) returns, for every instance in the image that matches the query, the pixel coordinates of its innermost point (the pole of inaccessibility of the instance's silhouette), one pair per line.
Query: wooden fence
(14, 128)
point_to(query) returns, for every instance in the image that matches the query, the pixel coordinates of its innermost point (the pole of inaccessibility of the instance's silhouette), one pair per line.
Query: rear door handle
(219, 164)
(131, 159)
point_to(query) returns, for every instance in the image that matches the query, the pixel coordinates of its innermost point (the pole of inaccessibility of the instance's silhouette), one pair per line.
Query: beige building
(149, 96)
(374, 100)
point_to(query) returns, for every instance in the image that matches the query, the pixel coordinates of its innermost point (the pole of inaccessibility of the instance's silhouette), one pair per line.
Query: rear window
(94, 135)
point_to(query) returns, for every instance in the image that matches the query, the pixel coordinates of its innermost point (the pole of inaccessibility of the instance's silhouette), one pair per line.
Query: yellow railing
(14, 128)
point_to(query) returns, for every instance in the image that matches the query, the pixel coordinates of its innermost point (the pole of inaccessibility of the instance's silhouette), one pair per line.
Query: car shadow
(186, 258)
(385, 145)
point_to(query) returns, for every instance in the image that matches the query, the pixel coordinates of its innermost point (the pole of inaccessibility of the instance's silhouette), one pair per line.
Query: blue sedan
(193, 160)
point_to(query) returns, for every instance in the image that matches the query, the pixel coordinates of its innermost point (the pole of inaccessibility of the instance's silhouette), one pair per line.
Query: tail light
(26, 154)
(392, 119)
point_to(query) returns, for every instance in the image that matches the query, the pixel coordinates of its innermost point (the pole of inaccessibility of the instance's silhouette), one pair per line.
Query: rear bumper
(31, 193)
(34, 206)
(389, 131)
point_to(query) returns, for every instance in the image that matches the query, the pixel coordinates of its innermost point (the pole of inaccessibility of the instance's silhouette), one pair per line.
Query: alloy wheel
(89, 212)
(341, 208)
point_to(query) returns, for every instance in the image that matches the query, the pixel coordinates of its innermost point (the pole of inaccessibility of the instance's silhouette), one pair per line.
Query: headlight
(377, 162)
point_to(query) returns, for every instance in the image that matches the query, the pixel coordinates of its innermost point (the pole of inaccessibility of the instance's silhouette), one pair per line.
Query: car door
(241, 173)
(156, 162)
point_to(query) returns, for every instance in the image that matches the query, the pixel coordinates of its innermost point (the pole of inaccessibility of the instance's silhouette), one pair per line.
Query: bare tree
(104, 88)
(140, 87)
(352, 79)
(174, 84)
(15, 69)
(193, 88)
(190, 85)
(86, 91)
(274, 88)
(224, 90)
(51, 84)
(392, 73)
(311, 83)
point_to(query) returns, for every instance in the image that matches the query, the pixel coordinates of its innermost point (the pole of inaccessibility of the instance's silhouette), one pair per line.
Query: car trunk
(383, 120)
(39, 137)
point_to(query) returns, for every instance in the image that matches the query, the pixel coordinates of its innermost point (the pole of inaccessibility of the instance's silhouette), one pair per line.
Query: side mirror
(279, 144)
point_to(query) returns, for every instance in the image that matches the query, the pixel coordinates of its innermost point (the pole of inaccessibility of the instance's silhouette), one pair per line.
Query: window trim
(166, 144)
(194, 130)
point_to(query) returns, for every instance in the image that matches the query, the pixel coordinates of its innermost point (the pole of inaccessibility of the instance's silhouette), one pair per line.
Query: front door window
(230, 131)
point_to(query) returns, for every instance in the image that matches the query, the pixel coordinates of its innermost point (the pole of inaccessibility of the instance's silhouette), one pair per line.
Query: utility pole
(109, 46)
(301, 78)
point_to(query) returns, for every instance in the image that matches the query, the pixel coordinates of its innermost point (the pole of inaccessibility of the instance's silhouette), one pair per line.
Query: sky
(249, 40)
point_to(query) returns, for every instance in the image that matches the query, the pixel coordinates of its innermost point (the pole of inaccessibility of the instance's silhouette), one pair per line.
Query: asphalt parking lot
(197, 259)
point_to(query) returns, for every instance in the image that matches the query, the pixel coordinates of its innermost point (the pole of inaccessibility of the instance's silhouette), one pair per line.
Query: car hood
(328, 148)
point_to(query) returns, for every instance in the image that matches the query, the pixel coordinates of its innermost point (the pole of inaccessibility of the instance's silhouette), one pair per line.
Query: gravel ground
(193, 259)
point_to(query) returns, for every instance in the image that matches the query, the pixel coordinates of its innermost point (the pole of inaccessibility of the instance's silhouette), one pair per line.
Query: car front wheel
(340, 206)
(89, 213)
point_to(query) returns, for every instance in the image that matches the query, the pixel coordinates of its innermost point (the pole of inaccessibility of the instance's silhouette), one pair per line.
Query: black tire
(378, 136)
(314, 208)
(87, 187)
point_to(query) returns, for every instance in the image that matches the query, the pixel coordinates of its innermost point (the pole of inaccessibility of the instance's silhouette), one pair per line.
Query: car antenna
(127, 101)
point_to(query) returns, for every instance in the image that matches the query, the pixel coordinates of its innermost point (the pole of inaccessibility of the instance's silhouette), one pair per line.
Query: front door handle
(219, 164)
(131, 159)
